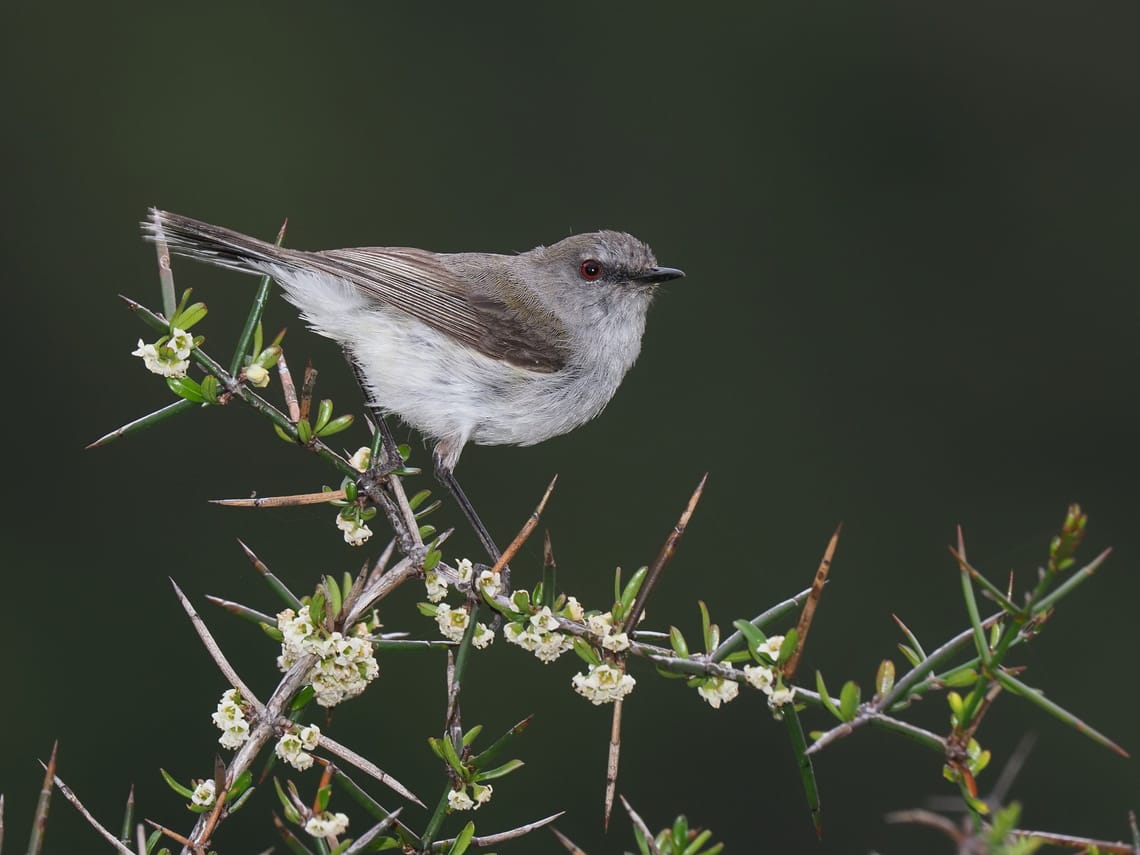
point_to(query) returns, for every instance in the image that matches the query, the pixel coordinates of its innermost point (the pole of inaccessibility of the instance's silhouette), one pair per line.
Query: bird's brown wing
(504, 324)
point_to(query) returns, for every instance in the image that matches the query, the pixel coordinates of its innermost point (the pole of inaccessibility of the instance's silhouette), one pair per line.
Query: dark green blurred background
(912, 256)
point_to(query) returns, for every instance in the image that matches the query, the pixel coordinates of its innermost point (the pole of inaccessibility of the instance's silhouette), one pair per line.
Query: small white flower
(355, 531)
(483, 636)
(482, 793)
(310, 736)
(257, 376)
(719, 690)
(459, 800)
(551, 645)
(288, 746)
(464, 569)
(361, 458)
(603, 684)
(522, 634)
(489, 584)
(301, 761)
(760, 677)
(573, 609)
(452, 622)
(161, 360)
(327, 824)
(617, 642)
(544, 621)
(203, 794)
(181, 342)
(772, 646)
(778, 697)
(436, 586)
(234, 735)
(601, 624)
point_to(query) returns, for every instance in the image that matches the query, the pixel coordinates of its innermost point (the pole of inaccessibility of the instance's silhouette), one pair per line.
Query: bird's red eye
(591, 269)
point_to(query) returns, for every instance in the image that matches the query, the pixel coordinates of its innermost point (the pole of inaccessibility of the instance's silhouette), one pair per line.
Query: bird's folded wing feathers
(415, 282)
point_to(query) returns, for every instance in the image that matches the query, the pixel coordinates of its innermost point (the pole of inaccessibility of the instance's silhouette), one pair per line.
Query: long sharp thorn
(667, 550)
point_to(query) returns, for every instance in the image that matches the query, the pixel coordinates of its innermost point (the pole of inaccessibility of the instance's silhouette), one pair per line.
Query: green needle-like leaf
(1033, 695)
(169, 411)
(807, 773)
(486, 756)
(253, 319)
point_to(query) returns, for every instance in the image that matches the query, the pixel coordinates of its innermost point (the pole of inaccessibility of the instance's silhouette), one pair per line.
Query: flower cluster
(460, 800)
(327, 824)
(294, 746)
(721, 690)
(603, 684)
(169, 356)
(539, 634)
(230, 719)
(344, 666)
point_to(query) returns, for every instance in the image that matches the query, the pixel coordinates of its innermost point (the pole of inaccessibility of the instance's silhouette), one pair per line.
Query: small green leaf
(471, 735)
(462, 840)
(426, 531)
(302, 699)
(960, 677)
(705, 624)
(189, 316)
(304, 431)
(186, 388)
(333, 592)
(678, 643)
(629, 593)
(849, 700)
(324, 413)
(281, 433)
(752, 636)
(286, 805)
(174, 785)
(825, 698)
(240, 785)
(586, 653)
(268, 357)
(337, 425)
(451, 758)
(788, 646)
(323, 795)
(432, 559)
(911, 656)
(209, 388)
(499, 771)
(418, 499)
(885, 677)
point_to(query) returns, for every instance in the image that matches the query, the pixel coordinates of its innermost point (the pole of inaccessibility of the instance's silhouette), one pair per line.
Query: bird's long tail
(213, 244)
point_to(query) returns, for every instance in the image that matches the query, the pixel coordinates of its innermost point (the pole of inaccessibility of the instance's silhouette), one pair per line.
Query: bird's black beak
(655, 275)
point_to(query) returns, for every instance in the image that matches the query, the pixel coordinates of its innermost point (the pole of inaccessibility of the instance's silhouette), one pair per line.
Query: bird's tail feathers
(213, 244)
